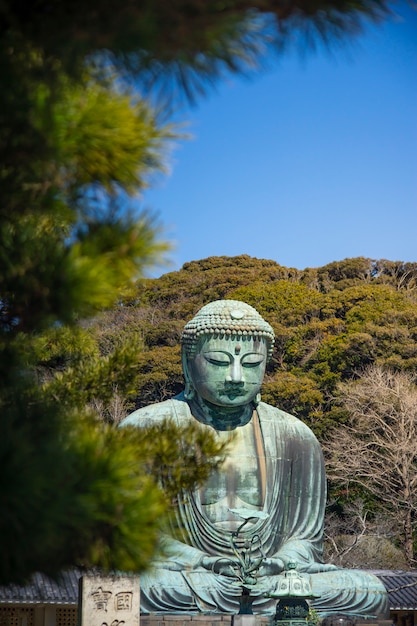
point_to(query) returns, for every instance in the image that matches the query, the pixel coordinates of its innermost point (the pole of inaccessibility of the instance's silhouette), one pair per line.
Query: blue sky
(311, 162)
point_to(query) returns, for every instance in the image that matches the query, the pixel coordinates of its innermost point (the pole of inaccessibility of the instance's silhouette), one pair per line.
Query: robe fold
(293, 487)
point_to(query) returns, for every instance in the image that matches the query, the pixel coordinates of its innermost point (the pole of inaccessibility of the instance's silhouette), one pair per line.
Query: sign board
(109, 601)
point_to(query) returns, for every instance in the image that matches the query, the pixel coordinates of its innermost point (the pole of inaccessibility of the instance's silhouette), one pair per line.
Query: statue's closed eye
(218, 358)
(252, 360)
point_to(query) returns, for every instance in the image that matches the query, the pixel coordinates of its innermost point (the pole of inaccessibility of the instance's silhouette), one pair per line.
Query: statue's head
(225, 349)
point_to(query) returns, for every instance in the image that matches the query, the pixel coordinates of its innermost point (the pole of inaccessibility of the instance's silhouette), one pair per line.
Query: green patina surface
(273, 479)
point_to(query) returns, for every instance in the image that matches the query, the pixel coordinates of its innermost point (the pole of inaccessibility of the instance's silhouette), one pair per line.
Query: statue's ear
(189, 391)
(184, 363)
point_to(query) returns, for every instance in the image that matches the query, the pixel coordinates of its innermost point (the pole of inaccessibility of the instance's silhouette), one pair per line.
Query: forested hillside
(332, 323)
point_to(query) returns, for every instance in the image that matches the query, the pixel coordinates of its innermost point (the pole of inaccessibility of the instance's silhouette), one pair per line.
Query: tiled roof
(43, 590)
(401, 587)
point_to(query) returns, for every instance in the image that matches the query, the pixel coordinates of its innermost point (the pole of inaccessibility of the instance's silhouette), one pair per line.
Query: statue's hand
(314, 568)
(169, 565)
(219, 565)
(271, 567)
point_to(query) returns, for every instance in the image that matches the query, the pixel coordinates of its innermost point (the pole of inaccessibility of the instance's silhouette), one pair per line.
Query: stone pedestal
(214, 619)
(228, 620)
(246, 620)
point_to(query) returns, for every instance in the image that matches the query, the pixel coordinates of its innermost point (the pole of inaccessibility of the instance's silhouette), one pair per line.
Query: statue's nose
(235, 374)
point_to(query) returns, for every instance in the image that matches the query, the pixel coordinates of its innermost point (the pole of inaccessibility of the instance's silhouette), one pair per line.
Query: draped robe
(288, 463)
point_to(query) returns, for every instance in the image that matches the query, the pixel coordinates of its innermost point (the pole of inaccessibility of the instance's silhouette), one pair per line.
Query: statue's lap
(348, 591)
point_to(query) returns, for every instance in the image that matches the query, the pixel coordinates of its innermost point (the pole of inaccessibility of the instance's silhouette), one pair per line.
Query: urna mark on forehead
(226, 319)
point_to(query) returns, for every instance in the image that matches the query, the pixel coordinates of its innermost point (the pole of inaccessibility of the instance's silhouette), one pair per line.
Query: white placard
(109, 601)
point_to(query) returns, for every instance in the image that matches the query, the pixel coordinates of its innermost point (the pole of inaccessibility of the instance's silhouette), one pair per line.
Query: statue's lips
(241, 391)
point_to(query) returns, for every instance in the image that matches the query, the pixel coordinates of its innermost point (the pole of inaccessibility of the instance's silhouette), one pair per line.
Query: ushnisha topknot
(226, 318)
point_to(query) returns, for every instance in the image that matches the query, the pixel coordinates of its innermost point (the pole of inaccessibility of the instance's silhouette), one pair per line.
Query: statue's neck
(220, 417)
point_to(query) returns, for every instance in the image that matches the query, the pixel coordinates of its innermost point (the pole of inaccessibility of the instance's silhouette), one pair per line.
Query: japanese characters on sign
(109, 601)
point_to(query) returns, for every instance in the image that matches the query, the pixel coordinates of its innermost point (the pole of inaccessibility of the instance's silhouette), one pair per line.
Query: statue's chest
(241, 480)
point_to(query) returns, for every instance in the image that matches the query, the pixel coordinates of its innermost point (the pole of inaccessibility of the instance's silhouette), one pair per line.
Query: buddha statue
(268, 499)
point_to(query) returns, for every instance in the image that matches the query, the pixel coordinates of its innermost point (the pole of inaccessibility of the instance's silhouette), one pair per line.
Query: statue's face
(228, 372)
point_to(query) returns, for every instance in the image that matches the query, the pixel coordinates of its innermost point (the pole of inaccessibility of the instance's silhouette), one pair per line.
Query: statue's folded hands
(223, 566)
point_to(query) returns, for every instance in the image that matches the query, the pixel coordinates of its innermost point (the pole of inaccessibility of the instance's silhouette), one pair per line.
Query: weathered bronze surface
(265, 508)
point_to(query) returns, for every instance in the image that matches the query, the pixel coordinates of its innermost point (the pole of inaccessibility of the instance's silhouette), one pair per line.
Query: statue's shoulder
(175, 408)
(283, 421)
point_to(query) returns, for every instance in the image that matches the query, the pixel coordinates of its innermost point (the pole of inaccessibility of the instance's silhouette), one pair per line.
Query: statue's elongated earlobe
(189, 391)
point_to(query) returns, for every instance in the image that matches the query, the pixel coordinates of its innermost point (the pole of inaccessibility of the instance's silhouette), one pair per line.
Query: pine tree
(77, 146)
